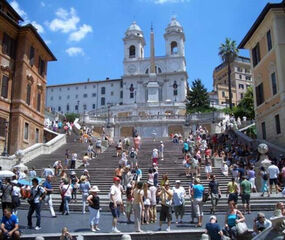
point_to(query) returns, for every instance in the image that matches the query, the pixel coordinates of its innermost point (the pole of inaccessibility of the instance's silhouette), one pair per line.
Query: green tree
(246, 105)
(228, 52)
(70, 117)
(197, 97)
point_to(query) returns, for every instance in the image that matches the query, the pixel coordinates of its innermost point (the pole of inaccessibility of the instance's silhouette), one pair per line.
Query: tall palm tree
(228, 52)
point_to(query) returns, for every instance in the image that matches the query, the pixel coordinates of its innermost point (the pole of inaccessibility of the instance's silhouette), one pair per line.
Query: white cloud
(20, 11)
(80, 34)
(66, 21)
(74, 51)
(169, 1)
(38, 26)
(43, 4)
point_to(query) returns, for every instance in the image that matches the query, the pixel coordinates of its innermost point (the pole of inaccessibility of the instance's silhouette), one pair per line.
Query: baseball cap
(116, 179)
(178, 181)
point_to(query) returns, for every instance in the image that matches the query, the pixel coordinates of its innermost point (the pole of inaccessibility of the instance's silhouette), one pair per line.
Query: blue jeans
(34, 207)
(66, 201)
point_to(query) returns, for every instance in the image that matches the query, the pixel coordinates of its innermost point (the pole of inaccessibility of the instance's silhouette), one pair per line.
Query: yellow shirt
(232, 187)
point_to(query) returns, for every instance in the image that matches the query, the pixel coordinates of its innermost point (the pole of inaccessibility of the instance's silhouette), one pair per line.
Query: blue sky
(86, 35)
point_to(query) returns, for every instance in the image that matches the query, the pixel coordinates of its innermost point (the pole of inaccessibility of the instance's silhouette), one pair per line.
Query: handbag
(241, 228)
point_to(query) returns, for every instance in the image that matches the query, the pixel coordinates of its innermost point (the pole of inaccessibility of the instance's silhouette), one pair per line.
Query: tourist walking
(179, 195)
(119, 148)
(197, 192)
(146, 202)
(115, 202)
(48, 198)
(152, 212)
(133, 157)
(6, 198)
(73, 160)
(84, 188)
(213, 229)
(66, 192)
(37, 195)
(94, 208)
(251, 178)
(245, 189)
(214, 192)
(155, 156)
(74, 185)
(129, 202)
(232, 190)
(264, 181)
(161, 151)
(16, 194)
(273, 171)
(138, 205)
(166, 196)
(232, 217)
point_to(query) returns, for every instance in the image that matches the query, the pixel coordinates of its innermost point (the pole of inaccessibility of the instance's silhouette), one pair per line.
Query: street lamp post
(5, 152)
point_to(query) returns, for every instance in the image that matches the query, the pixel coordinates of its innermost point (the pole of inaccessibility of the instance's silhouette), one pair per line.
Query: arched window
(174, 49)
(39, 97)
(132, 53)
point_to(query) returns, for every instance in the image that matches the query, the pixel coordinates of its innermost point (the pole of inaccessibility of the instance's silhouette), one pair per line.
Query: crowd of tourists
(138, 200)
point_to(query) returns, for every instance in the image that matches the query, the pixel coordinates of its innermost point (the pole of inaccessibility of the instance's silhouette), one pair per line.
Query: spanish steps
(101, 170)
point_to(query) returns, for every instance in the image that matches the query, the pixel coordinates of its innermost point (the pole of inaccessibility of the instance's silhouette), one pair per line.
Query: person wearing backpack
(264, 180)
(37, 195)
(133, 157)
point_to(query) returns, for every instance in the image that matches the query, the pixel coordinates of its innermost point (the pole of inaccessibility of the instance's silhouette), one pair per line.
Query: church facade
(152, 89)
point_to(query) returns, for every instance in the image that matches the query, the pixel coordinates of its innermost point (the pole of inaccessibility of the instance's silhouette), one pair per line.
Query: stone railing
(205, 117)
(34, 151)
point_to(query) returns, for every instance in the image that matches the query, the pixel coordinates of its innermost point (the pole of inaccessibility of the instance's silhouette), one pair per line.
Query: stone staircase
(102, 168)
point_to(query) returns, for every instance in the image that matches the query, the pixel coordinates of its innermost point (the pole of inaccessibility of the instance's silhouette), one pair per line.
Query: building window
(241, 96)
(2, 127)
(174, 49)
(102, 101)
(68, 89)
(59, 108)
(277, 124)
(239, 69)
(121, 94)
(247, 78)
(269, 40)
(223, 94)
(28, 97)
(76, 88)
(4, 87)
(112, 93)
(39, 102)
(85, 95)
(52, 90)
(84, 107)
(26, 131)
(274, 84)
(51, 98)
(93, 94)
(76, 96)
(112, 84)
(8, 46)
(67, 107)
(32, 56)
(175, 92)
(37, 135)
(59, 97)
(68, 96)
(131, 95)
(247, 70)
(103, 90)
(41, 66)
(132, 91)
(259, 94)
(93, 106)
(59, 89)
(94, 86)
(241, 86)
(240, 76)
(256, 55)
(263, 129)
(121, 83)
(76, 107)
(132, 52)
(85, 87)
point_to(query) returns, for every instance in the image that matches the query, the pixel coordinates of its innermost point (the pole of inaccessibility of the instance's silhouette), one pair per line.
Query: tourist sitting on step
(65, 235)
(260, 223)
(57, 167)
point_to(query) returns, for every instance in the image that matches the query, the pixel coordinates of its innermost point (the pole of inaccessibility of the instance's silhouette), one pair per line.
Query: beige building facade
(23, 68)
(266, 42)
(241, 79)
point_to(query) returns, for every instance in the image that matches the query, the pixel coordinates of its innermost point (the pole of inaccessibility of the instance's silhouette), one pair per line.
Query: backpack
(132, 155)
(265, 176)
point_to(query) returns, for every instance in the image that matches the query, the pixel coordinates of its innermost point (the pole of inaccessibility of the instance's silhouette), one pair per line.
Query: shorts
(179, 210)
(165, 213)
(245, 197)
(233, 197)
(273, 180)
(115, 211)
(208, 169)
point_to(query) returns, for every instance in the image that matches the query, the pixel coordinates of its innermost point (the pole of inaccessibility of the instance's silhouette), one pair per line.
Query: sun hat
(155, 150)
(94, 189)
(126, 237)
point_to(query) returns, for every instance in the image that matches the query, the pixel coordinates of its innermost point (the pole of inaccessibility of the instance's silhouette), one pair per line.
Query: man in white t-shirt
(115, 202)
(273, 171)
(179, 200)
